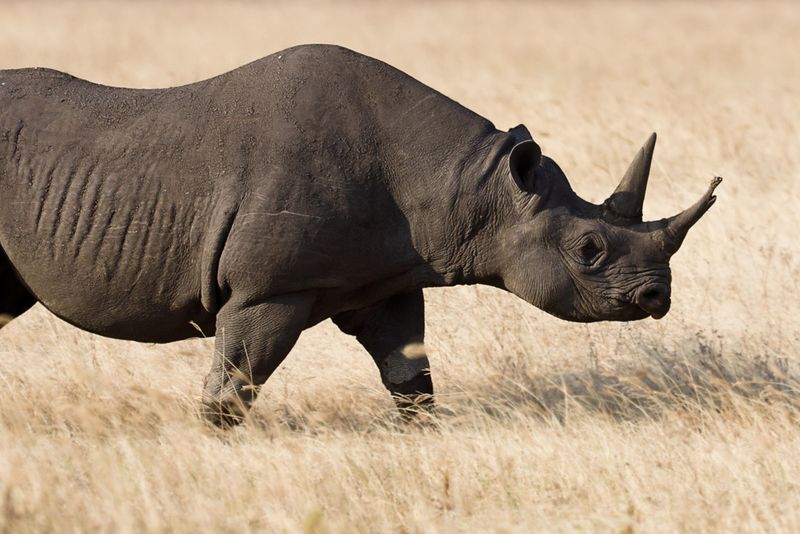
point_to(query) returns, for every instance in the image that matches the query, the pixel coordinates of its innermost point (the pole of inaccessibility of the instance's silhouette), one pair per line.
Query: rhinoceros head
(586, 262)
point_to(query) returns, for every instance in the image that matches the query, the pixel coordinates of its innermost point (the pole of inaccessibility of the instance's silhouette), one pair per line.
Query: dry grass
(688, 423)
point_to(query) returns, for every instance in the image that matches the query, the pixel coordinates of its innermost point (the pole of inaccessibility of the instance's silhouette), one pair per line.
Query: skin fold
(314, 183)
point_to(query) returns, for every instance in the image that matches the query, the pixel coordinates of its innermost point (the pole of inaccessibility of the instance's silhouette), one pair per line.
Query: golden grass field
(685, 424)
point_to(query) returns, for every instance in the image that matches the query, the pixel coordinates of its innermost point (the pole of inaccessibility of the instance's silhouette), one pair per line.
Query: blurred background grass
(685, 423)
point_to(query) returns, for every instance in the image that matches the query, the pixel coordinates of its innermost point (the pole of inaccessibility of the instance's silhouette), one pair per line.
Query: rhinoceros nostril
(654, 299)
(653, 295)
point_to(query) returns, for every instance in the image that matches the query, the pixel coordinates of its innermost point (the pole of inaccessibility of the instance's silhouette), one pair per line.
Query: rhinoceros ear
(520, 133)
(524, 157)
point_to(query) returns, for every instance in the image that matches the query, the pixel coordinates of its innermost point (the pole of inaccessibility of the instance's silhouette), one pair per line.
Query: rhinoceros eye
(589, 250)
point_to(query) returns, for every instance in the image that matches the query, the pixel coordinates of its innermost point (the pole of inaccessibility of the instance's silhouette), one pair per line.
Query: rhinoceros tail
(15, 297)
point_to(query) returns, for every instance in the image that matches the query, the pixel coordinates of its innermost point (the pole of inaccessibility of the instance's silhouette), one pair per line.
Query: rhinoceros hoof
(224, 414)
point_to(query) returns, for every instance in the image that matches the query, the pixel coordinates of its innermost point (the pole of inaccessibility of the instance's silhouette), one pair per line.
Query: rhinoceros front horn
(677, 226)
(625, 204)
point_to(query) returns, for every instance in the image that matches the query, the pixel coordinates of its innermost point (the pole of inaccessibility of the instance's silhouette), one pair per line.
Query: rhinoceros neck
(454, 205)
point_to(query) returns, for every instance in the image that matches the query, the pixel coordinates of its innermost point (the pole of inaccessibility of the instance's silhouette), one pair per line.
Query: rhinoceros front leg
(252, 340)
(392, 331)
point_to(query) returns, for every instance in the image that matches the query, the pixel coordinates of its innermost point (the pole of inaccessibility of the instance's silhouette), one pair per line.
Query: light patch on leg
(405, 363)
(414, 351)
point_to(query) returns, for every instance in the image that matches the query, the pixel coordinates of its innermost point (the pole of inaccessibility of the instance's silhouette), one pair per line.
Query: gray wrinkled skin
(314, 183)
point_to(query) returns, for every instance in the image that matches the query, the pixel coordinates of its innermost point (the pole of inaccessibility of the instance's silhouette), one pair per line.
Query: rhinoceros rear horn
(521, 162)
(625, 204)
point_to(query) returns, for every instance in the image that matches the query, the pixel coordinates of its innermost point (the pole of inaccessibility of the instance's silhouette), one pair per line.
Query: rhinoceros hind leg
(252, 339)
(15, 298)
(393, 332)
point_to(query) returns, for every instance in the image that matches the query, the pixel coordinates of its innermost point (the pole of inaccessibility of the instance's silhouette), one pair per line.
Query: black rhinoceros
(314, 183)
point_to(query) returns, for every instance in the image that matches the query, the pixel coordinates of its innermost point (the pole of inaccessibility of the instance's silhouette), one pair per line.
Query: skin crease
(315, 183)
